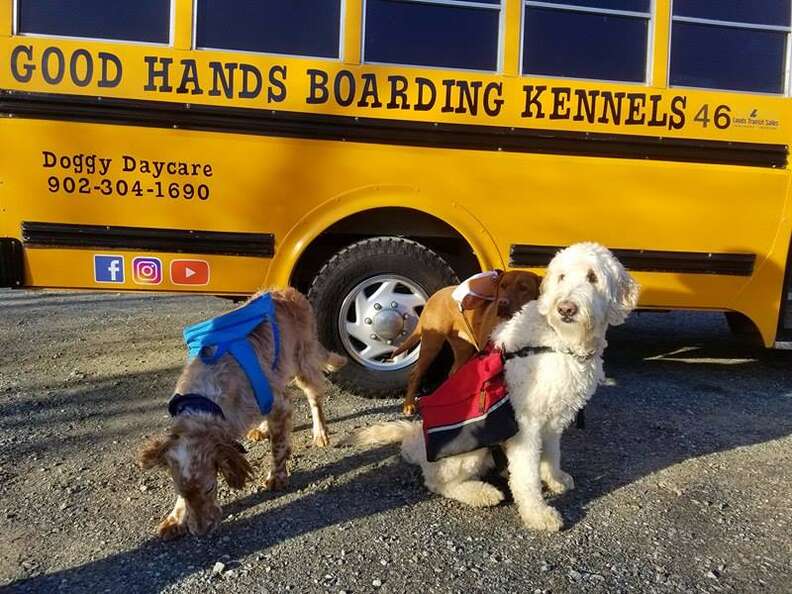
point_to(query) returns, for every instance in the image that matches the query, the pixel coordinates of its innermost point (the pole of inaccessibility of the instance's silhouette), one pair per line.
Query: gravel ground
(683, 474)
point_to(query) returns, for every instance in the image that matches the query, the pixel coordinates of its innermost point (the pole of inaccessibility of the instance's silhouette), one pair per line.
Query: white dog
(586, 290)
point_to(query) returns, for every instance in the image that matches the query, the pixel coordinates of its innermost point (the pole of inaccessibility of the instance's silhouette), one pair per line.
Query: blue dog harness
(229, 333)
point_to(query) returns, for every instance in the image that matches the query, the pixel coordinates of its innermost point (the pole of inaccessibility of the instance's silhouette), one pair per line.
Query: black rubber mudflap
(12, 266)
(785, 315)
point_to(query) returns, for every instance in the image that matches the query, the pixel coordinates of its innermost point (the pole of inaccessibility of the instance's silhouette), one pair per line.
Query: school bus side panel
(87, 175)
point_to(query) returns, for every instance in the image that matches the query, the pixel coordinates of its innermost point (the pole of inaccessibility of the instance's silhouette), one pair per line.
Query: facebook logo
(109, 269)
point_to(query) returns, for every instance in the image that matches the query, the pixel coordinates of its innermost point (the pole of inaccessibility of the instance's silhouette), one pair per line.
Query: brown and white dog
(489, 298)
(199, 445)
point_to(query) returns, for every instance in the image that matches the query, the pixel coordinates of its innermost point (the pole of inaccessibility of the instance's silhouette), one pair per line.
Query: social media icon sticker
(189, 272)
(147, 270)
(108, 269)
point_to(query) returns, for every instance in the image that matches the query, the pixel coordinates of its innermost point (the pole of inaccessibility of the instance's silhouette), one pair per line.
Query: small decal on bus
(108, 269)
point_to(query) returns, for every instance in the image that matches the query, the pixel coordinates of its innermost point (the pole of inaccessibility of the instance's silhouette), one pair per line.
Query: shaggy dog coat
(586, 290)
(200, 445)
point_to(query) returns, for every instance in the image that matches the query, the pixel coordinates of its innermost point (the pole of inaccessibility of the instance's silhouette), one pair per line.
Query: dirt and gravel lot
(684, 474)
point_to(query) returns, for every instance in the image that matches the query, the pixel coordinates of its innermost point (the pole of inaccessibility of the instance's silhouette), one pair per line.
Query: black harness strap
(180, 403)
(526, 351)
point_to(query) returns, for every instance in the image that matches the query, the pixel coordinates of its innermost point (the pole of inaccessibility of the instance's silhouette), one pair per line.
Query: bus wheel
(367, 300)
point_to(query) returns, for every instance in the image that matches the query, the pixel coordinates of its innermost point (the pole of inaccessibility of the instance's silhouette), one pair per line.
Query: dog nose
(567, 309)
(504, 308)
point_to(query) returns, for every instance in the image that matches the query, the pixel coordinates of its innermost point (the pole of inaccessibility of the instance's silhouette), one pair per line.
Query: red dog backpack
(470, 410)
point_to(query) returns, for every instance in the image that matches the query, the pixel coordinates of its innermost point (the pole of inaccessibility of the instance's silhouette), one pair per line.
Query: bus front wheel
(367, 300)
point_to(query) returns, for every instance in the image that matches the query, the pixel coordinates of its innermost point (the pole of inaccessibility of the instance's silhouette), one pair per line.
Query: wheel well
(401, 222)
(744, 328)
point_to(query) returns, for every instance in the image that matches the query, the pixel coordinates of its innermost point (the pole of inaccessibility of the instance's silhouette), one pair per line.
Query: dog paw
(171, 528)
(277, 482)
(258, 435)
(321, 440)
(543, 518)
(408, 409)
(560, 483)
(488, 496)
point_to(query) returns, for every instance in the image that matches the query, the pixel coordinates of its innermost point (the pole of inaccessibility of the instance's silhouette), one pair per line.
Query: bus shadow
(97, 410)
(687, 395)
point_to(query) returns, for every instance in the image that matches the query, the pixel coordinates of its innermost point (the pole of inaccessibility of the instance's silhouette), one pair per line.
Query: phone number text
(108, 187)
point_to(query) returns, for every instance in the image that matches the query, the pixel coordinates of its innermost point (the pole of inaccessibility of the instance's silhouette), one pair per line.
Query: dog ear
(543, 303)
(233, 465)
(478, 290)
(626, 297)
(537, 283)
(153, 452)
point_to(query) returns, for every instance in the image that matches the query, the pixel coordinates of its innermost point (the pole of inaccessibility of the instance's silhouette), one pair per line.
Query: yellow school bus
(369, 152)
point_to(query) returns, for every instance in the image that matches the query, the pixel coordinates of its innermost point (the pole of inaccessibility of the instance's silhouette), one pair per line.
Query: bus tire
(396, 271)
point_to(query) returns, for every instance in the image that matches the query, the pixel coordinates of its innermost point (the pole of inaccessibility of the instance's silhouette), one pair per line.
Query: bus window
(297, 27)
(739, 46)
(604, 40)
(142, 20)
(445, 34)
(755, 12)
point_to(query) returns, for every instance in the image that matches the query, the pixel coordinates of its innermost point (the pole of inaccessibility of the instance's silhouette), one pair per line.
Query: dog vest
(471, 409)
(229, 333)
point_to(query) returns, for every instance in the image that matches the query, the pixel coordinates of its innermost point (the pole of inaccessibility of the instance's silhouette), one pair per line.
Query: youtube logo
(189, 272)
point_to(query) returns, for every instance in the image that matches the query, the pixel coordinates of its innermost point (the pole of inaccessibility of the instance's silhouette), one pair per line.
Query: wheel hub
(376, 316)
(388, 324)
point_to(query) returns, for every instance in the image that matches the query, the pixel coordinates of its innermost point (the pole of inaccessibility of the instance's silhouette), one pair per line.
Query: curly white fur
(547, 390)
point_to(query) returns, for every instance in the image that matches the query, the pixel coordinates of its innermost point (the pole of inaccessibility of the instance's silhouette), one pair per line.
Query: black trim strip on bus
(12, 264)
(259, 245)
(539, 256)
(383, 131)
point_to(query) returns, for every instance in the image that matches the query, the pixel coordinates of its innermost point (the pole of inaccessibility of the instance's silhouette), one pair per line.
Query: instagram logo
(147, 271)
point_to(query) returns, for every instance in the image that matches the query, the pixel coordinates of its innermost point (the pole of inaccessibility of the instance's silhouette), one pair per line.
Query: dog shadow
(367, 493)
(680, 393)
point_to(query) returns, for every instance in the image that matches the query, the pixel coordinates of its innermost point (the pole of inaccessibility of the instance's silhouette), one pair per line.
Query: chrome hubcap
(376, 316)
(388, 324)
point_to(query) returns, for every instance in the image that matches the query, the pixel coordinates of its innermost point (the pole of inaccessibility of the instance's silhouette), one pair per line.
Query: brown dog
(488, 300)
(202, 443)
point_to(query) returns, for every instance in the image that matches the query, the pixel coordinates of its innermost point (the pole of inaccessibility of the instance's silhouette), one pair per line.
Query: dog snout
(204, 524)
(567, 309)
(504, 308)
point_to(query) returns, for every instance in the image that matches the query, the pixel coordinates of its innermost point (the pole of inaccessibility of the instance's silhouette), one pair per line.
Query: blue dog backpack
(229, 333)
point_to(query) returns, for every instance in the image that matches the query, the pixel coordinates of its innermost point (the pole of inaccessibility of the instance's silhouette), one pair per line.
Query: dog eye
(561, 277)
(591, 277)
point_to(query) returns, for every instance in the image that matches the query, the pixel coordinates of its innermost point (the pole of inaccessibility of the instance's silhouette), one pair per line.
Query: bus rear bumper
(12, 265)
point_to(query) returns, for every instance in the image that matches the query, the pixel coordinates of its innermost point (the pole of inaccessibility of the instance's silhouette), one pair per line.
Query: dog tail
(409, 342)
(334, 362)
(385, 433)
